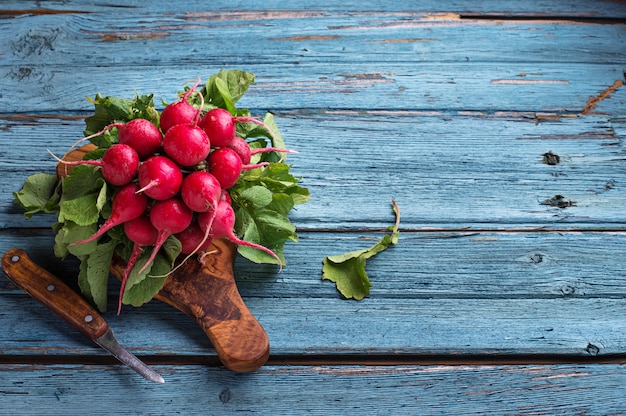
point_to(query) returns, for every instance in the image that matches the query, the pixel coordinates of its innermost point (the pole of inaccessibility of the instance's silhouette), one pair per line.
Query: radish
(127, 205)
(160, 177)
(225, 165)
(186, 144)
(140, 134)
(225, 196)
(242, 148)
(192, 239)
(219, 125)
(142, 233)
(169, 217)
(180, 112)
(221, 225)
(200, 191)
(119, 163)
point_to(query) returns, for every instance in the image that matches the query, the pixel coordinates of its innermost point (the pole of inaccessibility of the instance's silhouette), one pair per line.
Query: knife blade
(70, 306)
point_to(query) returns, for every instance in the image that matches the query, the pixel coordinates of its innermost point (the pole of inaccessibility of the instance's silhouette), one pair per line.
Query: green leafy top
(261, 199)
(347, 270)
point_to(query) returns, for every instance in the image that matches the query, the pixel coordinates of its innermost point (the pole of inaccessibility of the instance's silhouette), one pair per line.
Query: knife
(62, 300)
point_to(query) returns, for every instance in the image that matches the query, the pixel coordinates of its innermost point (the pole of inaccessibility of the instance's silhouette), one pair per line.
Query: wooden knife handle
(53, 293)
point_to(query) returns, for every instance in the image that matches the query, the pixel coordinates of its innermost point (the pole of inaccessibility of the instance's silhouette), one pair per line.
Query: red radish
(119, 163)
(200, 191)
(142, 233)
(180, 112)
(242, 148)
(221, 226)
(219, 125)
(169, 217)
(225, 165)
(225, 196)
(140, 134)
(193, 239)
(127, 205)
(160, 177)
(186, 144)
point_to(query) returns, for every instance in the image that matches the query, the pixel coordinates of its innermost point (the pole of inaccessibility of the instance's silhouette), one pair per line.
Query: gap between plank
(547, 18)
(332, 359)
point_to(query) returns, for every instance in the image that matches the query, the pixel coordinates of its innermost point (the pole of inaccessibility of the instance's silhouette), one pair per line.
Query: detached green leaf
(349, 276)
(347, 270)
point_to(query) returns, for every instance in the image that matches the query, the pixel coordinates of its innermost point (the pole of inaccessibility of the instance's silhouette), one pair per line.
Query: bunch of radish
(173, 179)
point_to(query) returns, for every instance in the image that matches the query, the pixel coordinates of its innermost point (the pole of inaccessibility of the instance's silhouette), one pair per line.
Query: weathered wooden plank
(461, 264)
(463, 328)
(485, 294)
(318, 390)
(441, 168)
(539, 8)
(285, 37)
(529, 76)
(357, 86)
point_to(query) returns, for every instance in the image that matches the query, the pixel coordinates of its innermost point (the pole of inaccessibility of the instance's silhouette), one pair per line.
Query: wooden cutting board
(208, 293)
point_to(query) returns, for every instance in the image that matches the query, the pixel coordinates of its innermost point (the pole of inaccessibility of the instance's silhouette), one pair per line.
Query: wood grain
(499, 293)
(424, 161)
(322, 390)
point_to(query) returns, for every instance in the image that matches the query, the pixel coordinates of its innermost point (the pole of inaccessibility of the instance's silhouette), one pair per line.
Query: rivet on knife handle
(69, 305)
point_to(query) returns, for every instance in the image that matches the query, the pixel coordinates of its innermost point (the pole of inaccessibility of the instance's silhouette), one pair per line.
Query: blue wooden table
(499, 129)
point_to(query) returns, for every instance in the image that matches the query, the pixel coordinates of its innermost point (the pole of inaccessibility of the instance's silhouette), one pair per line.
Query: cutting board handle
(208, 293)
